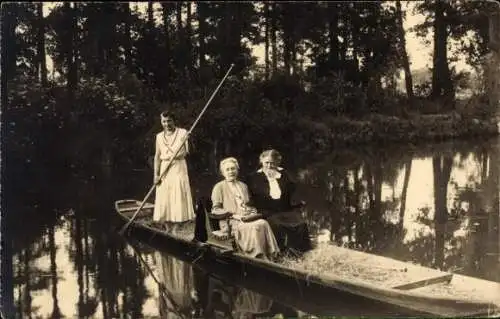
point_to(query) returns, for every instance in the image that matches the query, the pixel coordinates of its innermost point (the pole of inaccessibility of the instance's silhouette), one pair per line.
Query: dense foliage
(83, 84)
(114, 68)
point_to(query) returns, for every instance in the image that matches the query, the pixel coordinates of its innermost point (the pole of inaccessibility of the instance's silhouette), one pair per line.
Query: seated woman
(254, 238)
(271, 189)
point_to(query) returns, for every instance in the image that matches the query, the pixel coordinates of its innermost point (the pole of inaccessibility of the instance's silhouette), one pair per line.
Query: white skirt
(173, 201)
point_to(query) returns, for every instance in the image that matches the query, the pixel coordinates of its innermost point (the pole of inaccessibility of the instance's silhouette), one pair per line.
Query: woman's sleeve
(291, 185)
(255, 199)
(186, 144)
(217, 197)
(247, 193)
(156, 158)
(157, 145)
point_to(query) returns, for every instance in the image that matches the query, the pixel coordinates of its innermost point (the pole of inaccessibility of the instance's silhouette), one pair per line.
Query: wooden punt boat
(389, 281)
(294, 296)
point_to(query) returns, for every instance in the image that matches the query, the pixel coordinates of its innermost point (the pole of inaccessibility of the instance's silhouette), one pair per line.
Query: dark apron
(290, 230)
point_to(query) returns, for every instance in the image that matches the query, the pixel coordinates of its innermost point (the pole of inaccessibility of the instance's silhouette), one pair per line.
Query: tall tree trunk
(492, 66)
(111, 40)
(75, 48)
(166, 33)
(236, 34)
(403, 53)
(358, 191)
(189, 50)
(266, 39)
(442, 87)
(274, 30)
(336, 208)
(168, 51)
(181, 62)
(69, 43)
(178, 16)
(72, 54)
(369, 184)
(42, 62)
(344, 32)
(151, 42)
(9, 52)
(226, 32)
(151, 21)
(292, 39)
(333, 32)
(202, 31)
(287, 35)
(127, 38)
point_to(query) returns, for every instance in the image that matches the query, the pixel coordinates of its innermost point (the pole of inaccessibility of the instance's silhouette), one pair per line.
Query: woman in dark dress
(271, 191)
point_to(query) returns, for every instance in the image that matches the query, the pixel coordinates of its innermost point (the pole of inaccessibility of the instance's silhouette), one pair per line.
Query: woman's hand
(219, 211)
(157, 180)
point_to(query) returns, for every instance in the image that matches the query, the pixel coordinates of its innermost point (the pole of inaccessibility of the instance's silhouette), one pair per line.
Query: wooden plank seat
(128, 207)
(444, 278)
(133, 207)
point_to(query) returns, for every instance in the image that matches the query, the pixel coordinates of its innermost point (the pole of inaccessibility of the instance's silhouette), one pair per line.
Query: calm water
(436, 205)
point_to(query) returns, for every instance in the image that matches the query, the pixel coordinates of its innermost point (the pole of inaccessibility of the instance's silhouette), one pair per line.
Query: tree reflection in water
(366, 204)
(435, 206)
(56, 312)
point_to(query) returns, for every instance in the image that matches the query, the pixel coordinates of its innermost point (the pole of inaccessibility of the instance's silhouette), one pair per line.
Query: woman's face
(230, 171)
(167, 123)
(268, 163)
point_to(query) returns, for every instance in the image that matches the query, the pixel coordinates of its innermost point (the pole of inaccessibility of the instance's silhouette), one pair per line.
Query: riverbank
(382, 129)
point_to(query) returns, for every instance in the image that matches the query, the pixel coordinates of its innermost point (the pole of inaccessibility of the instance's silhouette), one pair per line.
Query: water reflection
(79, 270)
(176, 285)
(437, 206)
(185, 291)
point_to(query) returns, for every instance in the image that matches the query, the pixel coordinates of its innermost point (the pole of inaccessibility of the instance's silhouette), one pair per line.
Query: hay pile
(184, 231)
(179, 230)
(468, 292)
(330, 260)
(447, 291)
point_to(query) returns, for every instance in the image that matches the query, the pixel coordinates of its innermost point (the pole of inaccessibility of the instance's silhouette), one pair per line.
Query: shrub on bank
(121, 115)
(379, 128)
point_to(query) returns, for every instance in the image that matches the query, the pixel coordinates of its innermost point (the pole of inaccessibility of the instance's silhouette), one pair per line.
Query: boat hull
(409, 300)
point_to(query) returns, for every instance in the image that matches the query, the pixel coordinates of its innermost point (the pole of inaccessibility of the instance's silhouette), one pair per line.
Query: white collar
(261, 170)
(275, 177)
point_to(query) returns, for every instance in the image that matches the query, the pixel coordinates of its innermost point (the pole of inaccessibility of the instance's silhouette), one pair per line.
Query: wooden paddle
(177, 151)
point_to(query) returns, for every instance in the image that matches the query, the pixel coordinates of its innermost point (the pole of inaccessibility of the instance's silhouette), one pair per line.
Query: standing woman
(173, 202)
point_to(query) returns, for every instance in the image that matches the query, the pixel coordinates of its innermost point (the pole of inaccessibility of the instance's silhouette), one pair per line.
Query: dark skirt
(290, 230)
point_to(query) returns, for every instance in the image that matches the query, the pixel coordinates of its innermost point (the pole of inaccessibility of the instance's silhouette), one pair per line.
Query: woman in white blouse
(173, 201)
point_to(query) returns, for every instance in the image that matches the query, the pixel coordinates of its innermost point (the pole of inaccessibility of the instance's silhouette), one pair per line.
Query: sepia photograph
(250, 159)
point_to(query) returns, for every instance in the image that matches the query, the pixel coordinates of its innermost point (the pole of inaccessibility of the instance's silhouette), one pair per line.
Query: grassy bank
(389, 129)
